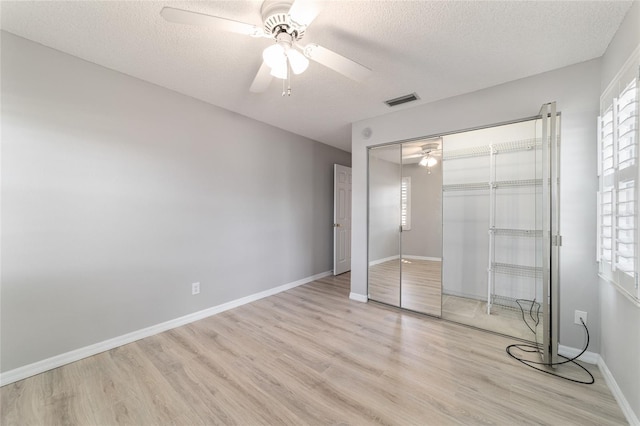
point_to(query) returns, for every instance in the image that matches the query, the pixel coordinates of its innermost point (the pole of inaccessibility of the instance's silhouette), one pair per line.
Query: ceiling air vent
(402, 100)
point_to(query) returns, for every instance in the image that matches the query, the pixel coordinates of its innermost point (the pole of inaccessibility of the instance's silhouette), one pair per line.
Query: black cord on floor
(535, 320)
(536, 349)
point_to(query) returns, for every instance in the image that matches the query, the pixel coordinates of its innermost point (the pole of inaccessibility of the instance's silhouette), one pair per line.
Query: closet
(465, 227)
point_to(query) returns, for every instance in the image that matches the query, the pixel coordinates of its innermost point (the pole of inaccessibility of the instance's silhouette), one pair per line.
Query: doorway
(341, 219)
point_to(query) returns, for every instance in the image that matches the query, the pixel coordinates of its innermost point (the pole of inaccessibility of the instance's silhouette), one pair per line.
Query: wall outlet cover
(578, 315)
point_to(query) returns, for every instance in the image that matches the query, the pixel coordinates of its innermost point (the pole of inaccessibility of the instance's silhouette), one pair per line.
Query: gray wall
(620, 324)
(384, 198)
(118, 194)
(576, 90)
(425, 237)
(625, 41)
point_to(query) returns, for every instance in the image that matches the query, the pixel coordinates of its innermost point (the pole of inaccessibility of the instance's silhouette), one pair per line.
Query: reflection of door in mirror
(384, 224)
(421, 261)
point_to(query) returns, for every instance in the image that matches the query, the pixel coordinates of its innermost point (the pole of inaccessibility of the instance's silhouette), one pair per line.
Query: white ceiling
(437, 49)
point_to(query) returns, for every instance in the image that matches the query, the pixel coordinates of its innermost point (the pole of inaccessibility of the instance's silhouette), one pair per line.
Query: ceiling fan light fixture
(274, 56)
(280, 70)
(297, 60)
(428, 161)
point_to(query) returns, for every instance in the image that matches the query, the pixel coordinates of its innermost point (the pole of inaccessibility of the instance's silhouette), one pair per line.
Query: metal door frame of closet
(550, 231)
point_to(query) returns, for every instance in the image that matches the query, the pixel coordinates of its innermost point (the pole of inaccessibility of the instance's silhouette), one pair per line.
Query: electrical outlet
(580, 314)
(195, 288)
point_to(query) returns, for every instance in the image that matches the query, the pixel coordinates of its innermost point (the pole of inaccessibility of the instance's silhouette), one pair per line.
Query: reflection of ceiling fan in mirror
(428, 154)
(285, 23)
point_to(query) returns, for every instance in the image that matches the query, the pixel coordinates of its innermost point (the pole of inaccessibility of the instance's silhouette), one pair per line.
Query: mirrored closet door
(405, 225)
(466, 227)
(493, 229)
(385, 181)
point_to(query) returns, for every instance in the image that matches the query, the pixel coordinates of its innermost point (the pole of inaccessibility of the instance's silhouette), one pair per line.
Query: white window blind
(405, 203)
(618, 171)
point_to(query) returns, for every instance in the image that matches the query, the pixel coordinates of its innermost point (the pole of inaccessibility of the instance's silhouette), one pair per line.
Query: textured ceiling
(437, 49)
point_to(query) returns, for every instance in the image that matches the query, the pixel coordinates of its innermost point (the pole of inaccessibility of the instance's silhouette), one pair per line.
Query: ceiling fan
(285, 23)
(428, 154)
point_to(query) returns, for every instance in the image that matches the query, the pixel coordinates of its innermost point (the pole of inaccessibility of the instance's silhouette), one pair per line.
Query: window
(405, 204)
(618, 173)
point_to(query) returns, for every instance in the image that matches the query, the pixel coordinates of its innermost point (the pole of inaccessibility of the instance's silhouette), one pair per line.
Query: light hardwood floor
(308, 356)
(502, 320)
(421, 284)
(422, 292)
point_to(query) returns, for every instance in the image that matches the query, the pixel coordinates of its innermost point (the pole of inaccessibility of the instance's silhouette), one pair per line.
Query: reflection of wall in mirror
(384, 209)
(425, 237)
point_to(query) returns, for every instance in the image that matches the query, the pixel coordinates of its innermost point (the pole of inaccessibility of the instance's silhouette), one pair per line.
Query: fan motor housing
(275, 15)
(430, 146)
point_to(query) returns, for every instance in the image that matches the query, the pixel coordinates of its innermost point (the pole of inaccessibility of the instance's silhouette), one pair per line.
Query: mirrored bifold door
(492, 214)
(500, 229)
(405, 225)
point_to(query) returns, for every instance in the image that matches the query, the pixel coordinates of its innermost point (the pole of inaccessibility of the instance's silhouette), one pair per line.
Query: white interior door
(341, 219)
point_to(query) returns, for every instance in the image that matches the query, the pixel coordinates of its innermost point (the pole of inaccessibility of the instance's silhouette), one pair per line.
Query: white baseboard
(481, 298)
(405, 256)
(433, 259)
(358, 297)
(385, 259)
(628, 412)
(588, 357)
(596, 359)
(38, 367)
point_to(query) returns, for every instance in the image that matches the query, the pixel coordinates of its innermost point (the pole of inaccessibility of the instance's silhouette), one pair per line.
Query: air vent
(402, 100)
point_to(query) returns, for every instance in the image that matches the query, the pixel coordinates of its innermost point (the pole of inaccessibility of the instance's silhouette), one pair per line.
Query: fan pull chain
(283, 87)
(289, 77)
(287, 92)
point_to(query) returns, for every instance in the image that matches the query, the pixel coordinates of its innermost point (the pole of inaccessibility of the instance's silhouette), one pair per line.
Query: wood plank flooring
(502, 320)
(422, 292)
(308, 356)
(421, 284)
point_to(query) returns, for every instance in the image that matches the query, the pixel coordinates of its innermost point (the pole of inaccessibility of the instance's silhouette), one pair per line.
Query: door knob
(336, 225)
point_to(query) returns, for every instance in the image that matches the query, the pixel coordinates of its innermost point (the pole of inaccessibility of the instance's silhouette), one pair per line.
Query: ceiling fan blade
(180, 16)
(303, 12)
(336, 62)
(413, 156)
(262, 79)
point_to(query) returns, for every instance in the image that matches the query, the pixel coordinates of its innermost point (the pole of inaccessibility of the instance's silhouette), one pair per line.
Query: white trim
(38, 367)
(385, 259)
(594, 358)
(410, 256)
(358, 297)
(621, 290)
(454, 293)
(406, 256)
(569, 352)
(632, 418)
